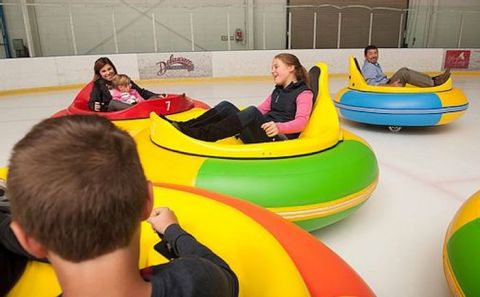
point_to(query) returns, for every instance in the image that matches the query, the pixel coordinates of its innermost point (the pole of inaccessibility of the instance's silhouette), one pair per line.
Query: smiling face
(282, 73)
(107, 72)
(372, 56)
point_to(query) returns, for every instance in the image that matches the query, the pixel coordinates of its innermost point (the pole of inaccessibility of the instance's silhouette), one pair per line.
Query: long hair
(292, 60)
(99, 63)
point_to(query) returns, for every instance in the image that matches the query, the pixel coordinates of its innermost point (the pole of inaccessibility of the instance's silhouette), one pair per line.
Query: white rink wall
(24, 73)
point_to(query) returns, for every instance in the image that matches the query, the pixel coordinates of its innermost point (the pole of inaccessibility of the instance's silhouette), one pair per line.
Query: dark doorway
(354, 17)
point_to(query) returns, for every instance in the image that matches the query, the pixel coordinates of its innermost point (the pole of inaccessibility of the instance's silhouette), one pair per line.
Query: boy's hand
(270, 128)
(96, 106)
(161, 218)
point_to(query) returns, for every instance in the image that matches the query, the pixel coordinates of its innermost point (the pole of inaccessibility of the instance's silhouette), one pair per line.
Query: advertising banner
(457, 59)
(155, 66)
(474, 60)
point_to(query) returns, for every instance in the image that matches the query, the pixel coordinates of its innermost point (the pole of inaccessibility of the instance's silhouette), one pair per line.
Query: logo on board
(175, 63)
(457, 58)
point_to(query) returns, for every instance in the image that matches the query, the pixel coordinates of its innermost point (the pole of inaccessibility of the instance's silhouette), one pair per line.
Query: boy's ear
(149, 204)
(30, 244)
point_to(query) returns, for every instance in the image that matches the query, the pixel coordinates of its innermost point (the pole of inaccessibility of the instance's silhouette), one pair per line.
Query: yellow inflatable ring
(292, 262)
(461, 257)
(397, 106)
(315, 180)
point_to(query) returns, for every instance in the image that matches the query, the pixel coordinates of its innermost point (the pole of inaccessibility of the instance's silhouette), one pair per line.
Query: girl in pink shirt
(122, 90)
(284, 113)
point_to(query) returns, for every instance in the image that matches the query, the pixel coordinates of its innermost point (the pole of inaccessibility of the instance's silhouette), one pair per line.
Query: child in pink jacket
(122, 90)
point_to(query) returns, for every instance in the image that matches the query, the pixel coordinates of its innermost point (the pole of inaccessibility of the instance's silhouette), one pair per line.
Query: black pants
(250, 122)
(115, 105)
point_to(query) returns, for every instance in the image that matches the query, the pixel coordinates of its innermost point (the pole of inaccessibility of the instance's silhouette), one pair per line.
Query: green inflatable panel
(327, 176)
(464, 253)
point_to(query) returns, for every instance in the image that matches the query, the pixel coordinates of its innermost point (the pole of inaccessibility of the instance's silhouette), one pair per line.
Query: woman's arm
(146, 94)
(137, 95)
(99, 97)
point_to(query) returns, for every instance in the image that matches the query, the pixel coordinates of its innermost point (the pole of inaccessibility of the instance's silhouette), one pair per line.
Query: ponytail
(292, 60)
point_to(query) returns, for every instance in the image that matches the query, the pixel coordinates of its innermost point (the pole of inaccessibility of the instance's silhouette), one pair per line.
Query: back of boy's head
(77, 186)
(121, 80)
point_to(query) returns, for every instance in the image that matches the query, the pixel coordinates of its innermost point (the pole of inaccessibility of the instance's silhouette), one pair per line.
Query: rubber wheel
(394, 129)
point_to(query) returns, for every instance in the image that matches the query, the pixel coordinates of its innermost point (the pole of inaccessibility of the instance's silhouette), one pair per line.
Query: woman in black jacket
(100, 97)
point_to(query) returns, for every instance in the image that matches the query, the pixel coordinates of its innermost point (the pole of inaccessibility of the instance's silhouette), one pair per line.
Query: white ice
(395, 240)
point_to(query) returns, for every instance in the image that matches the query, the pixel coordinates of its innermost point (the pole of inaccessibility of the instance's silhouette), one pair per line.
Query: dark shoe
(165, 118)
(442, 78)
(175, 124)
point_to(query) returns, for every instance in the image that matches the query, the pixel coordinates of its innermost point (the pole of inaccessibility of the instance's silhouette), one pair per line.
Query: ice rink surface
(395, 240)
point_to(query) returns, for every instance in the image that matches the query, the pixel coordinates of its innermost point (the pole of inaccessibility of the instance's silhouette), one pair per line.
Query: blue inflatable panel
(391, 101)
(391, 119)
(394, 109)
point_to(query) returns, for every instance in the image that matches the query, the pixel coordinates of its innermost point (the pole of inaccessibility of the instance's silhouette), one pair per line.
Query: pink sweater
(304, 109)
(124, 96)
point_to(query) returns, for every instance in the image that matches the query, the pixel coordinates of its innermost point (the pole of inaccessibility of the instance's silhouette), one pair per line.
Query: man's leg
(442, 78)
(408, 76)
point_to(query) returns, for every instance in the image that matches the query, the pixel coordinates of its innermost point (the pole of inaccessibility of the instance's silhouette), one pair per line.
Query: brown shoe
(442, 78)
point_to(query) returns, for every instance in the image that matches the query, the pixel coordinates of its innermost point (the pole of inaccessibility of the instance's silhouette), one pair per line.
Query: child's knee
(226, 106)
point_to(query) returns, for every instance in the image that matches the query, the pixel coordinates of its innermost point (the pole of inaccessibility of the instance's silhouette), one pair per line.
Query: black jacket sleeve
(12, 256)
(146, 94)
(8, 240)
(194, 271)
(183, 244)
(101, 94)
